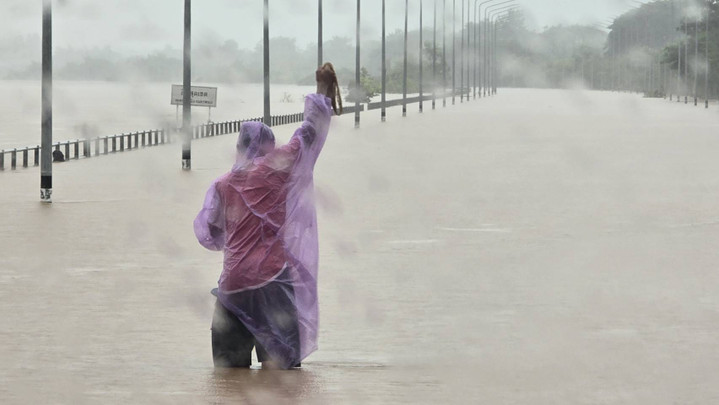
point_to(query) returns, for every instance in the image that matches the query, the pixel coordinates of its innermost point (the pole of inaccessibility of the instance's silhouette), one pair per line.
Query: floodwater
(538, 247)
(89, 109)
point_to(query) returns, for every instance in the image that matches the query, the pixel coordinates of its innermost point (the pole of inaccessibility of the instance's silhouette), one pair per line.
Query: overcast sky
(137, 26)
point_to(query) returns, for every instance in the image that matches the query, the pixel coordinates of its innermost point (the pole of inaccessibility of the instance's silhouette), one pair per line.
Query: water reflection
(262, 386)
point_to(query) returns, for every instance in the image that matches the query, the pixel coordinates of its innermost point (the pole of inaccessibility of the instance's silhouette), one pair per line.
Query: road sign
(201, 96)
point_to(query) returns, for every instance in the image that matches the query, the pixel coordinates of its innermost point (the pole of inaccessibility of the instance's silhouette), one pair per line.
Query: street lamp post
(319, 33)
(404, 70)
(696, 57)
(421, 105)
(679, 70)
(461, 57)
(384, 66)
(478, 45)
(46, 113)
(489, 51)
(706, 55)
(494, 20)
(686, 71)
(434, 56)
(357, 69)
(267, 119)
(187, 91)
(487, 43)
(444, 53)
(454, 45)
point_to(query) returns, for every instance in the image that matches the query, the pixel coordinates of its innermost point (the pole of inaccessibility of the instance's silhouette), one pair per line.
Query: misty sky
(138, 26)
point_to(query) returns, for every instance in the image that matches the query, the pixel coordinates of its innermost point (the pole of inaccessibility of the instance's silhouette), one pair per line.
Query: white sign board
(201, 96)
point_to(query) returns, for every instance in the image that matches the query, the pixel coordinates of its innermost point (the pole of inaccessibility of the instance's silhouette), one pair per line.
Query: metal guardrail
(104, 145)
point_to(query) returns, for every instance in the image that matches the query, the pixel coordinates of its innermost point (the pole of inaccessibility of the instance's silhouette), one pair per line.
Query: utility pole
(319, 33)
(46, 114)
(266, 63)
(404, 70)
(421, 93)
(357, 69)
(434, 57)
(454, 53)
(384, 66)
(706, 55)
(187, 91)
(461, 57)
(444, 53)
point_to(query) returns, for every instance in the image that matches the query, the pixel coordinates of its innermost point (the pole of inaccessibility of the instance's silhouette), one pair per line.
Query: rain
(517, 203)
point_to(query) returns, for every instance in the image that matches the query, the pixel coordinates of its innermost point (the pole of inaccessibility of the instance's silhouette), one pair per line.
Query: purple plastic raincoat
(262, 215)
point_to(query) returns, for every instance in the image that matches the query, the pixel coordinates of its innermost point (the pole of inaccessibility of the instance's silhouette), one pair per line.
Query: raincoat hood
(255, 140)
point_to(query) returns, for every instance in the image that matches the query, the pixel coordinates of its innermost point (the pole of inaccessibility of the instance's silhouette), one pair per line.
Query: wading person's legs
(231, 341)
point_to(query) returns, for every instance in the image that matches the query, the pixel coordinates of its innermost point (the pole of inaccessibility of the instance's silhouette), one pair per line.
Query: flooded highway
(538, 247)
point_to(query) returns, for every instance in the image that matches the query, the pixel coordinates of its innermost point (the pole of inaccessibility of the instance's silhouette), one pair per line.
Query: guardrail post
(122, 143)
(37, 156)
(162, 136)
(114, 144)
(77, 149)
(2, 160)
(13, 159)
(24, 157)
(67, 150)
(143, 139)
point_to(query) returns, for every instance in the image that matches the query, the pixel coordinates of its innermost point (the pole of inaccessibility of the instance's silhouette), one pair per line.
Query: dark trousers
(232, 343)
(271, 306)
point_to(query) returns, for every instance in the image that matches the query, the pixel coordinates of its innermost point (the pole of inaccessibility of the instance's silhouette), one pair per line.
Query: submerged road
(539, 247)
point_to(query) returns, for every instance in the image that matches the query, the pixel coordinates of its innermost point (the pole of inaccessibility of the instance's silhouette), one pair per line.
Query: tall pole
(444, 53)
(461, 57)
(187, 91)
(487, 43)
(479, 45)
(46, 113)
(488, 15)
(476, 53)
(696, 57)
(434, 56)
(686, 69)
(266, 63)
(679, 69)
(421, 93)
(319, 33)
(454, 53)
(494, 60)
(404, 69)
(384, 66)
(357, 67)
(469, 45)
(706, 55)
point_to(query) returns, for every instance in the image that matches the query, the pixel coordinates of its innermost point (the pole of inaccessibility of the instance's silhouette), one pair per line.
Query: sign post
(199, 97)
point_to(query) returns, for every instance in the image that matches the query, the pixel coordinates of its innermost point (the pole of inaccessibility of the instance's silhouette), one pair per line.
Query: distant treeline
(637, 52)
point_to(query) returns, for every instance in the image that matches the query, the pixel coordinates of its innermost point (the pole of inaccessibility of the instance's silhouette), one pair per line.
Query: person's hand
(324, 78)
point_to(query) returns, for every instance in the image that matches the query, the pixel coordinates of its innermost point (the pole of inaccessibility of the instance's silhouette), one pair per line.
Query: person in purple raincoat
(261, 214)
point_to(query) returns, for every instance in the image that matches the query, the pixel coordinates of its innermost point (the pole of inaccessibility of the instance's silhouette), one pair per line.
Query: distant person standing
(262, 215)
